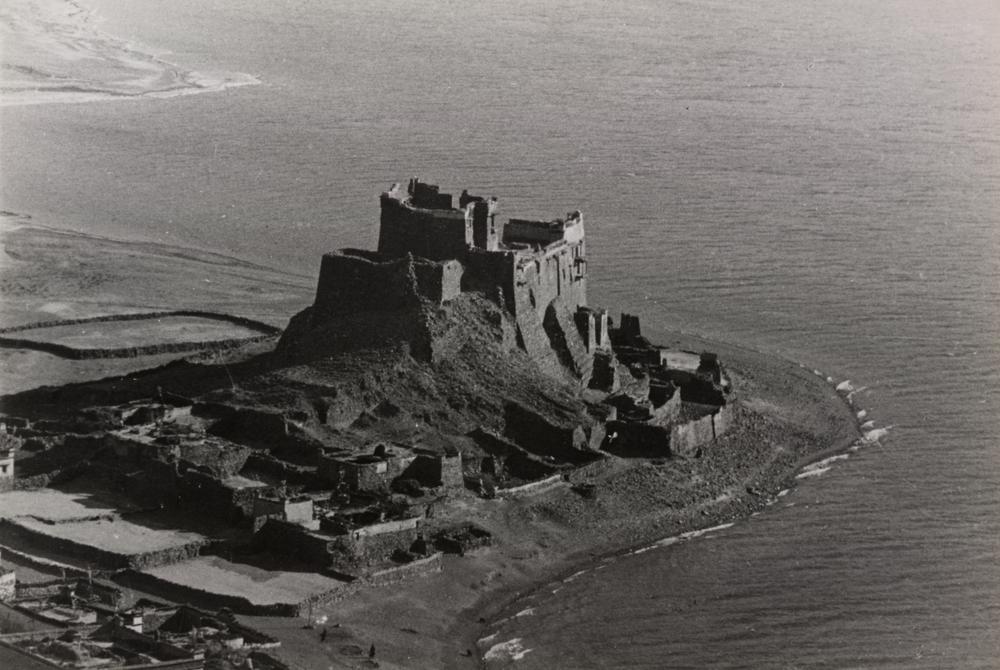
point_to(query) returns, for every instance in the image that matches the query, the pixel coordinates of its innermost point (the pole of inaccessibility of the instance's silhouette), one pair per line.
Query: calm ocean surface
(819, 180)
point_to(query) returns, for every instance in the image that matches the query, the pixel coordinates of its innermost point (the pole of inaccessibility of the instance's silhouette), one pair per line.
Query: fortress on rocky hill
(431, 251)
(441, 272)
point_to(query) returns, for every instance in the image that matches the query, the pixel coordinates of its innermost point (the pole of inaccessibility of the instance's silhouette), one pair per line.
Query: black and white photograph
(536, 334)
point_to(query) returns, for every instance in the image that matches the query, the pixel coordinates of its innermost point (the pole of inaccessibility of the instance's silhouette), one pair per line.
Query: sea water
(818, 180)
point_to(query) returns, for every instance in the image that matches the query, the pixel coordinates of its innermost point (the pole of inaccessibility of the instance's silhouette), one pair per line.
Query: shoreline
(495, 615)
(476, 594)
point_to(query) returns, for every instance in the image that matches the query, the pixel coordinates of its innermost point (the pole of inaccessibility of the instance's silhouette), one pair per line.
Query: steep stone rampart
(564, 339)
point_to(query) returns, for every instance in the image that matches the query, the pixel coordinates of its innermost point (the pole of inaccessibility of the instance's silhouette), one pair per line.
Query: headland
(446, 425)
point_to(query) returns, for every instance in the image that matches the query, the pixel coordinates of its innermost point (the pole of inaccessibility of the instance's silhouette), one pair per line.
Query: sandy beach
(55, 52)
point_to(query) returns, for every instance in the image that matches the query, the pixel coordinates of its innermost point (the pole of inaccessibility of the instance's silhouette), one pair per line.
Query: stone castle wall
(437, 234)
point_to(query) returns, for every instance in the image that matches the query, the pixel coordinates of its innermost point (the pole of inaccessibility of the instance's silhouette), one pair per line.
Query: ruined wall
(358, 550)
(533, 339)
(559, 272)
(290, 539)
(8, 585)
(491, 274)
(437, 234)
(564, 338)
(511, 460)
(538, 435)
(295, 510)
(204, 492)
(352, 281)
(438, 282)
(276, 469)
(686, 437)
(723, 420)
(604, 375)
(6, 474)
(363, 473)
(697, 387)
(310, 334)
(435, 470)
(646, 440)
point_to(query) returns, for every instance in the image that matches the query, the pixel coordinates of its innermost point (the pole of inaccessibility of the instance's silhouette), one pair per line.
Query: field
(53, 505)
(137, 333)
(259, 586)
(118, 536)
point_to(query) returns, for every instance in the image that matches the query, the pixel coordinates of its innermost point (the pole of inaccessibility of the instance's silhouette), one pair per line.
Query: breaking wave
(54, 52)
(511, 650)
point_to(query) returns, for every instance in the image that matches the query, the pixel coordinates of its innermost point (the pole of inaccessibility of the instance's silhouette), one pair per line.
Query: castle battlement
(544, 259)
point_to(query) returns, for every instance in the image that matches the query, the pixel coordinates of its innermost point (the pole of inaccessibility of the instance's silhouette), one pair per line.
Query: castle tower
(423, 222)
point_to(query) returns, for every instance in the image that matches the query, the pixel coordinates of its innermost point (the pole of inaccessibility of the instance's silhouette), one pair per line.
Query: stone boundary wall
(57, 476)
(397, 573)
(532, 487)
(44, 564)
(74, 353)
(189, 594)
(396, 526)
(139, 316)
(239, 604)
(8, 639)
(688, 436)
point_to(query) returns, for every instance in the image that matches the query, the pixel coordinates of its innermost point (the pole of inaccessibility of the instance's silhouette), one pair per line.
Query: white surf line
(530, 611)
(845, 386)
(876, 435)
(575, 575)
(704, 531)
(683, 537)
(827, 461)
(511, 650)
